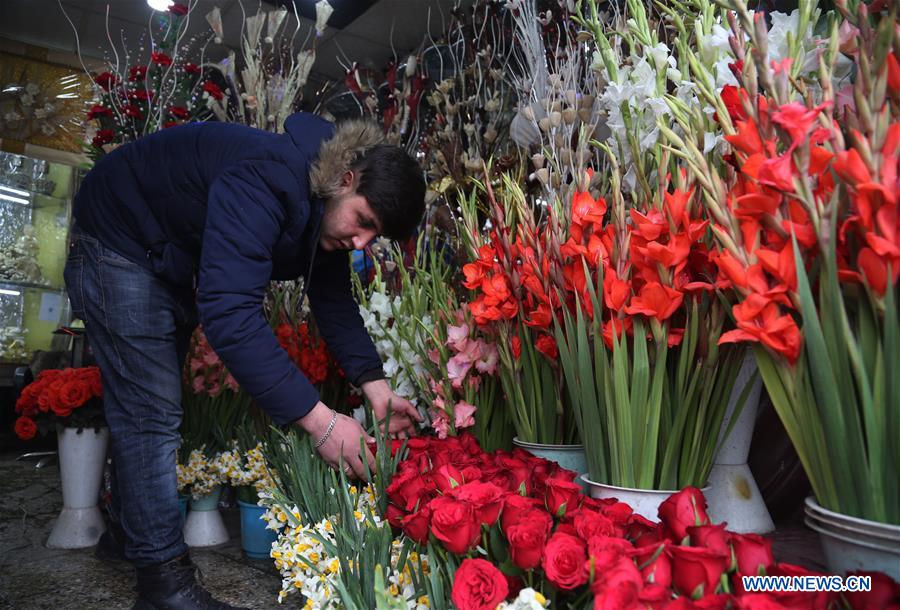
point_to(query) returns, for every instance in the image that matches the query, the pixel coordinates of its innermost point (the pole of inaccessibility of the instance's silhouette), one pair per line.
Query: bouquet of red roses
(514, 520)
(67, 397)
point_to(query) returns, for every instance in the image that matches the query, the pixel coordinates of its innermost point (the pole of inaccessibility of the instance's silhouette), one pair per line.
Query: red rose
(621, 573)
(722, 601)
(191, 68)
(752, 552)
(527, 538)
(447, 477)
(561, 495)
(179, 10)
(514, 506)
(409, 489)
(418, 525)
(213, 90)
(454, 523)
(884, 593)
(485, 498)
(624, 597)
(179, 112)
(547, 346)
(564, 561)
(621, 515)
(807, 601)
(605, 551)
(713, 537)
(758, 601)
(161, 59)
(141, 95)
(73, 394)
(654, 563)
(394, 516)
(697, 571)
(478, 585)
(682, 510)
(589, 523)
(643, 531)
(25, 428)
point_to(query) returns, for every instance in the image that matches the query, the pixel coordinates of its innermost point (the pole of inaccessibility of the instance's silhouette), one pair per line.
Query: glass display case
(35, 211)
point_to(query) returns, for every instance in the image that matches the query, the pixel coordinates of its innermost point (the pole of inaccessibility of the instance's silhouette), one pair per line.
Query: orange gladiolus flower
(758, 320)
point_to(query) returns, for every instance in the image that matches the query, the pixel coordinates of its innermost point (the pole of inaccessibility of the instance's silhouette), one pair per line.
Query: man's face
(349, 222)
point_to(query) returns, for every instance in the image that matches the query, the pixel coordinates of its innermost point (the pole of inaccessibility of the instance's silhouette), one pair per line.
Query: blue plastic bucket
(255, 538)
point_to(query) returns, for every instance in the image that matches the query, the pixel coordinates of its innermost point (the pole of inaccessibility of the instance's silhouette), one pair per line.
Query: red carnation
(104, 136)
(478, 585)
(98, 111)
(161, 59)
(106, 80)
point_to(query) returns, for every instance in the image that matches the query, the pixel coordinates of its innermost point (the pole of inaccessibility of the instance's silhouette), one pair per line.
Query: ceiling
(383, 28)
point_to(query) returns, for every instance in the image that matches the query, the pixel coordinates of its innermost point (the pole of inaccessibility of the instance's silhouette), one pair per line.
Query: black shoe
(174, 586)
(111, 546)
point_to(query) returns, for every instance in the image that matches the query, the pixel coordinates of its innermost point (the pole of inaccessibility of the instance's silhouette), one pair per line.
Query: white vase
(733, 495)
(851, 543)
(204, 525)
(644, 502)
(82, 454)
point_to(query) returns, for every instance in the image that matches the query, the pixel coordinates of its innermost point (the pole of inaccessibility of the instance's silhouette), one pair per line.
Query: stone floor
(33, 577)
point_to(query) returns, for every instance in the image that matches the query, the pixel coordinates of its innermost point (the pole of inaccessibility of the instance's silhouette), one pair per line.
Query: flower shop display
(70, 401)
(18, 261)
(428, 339)
(12, 344)
(806, 226)
(201, 478)
(515, 520)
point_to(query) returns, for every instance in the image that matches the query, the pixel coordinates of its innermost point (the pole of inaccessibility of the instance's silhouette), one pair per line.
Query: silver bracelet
(328, 430)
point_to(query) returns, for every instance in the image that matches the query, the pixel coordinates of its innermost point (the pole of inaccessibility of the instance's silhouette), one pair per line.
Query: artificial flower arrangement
(806, 225)
(71, 398)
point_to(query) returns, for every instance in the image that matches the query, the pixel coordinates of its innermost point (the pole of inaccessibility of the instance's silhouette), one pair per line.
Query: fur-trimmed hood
(351, 140)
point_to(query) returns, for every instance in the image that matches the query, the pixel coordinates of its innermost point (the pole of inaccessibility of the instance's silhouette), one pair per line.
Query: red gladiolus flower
(796, 119)
(656, 300)
(516, 344)
(478, 585)
(850, 166)
(758, 320)
(547, 346)
(213, 90)
(731, 97)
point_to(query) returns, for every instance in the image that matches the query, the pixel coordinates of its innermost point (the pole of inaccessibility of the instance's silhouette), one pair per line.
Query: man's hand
(343, 442)
(403, 414)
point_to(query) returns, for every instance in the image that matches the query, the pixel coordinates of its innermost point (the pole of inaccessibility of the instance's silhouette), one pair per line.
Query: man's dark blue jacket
(224, 209)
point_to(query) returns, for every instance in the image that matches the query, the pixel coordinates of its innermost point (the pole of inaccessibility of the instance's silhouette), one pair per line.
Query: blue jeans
(139, 328)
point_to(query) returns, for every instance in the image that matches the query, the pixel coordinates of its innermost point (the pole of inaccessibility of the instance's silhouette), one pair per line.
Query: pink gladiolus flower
(457, 337)
(464, 414)
(487, 364)
(441, 423)
(457, 368)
